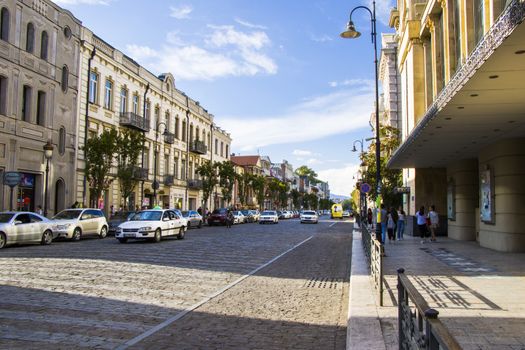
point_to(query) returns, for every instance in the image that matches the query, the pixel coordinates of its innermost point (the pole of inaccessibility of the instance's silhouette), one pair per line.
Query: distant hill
(338, 198)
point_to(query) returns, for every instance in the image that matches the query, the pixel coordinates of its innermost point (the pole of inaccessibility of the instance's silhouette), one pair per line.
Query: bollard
(431, 341)
(400, 305)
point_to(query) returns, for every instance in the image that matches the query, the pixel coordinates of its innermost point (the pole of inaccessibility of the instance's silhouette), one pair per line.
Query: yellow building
(462, 69)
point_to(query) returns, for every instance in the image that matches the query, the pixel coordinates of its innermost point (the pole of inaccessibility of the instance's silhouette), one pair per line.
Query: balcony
(198, 147)
(134, 121)
(195, 184)
(169, 180)
(140, 173)
(169, 138)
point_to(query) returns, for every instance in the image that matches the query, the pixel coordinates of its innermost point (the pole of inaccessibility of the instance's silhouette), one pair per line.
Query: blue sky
(274, 73)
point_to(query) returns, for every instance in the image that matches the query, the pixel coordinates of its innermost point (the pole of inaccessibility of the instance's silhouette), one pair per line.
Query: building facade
(463, 115)
(39, 55)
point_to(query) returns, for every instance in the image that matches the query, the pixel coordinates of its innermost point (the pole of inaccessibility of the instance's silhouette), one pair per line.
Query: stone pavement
(479, 293)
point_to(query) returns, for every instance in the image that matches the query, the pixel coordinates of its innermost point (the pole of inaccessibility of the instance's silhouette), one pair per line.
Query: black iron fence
(374, 254)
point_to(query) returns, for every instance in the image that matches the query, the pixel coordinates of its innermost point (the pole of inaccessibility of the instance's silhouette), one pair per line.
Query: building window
(67, 32)
(27, 91)
(145, 165)
(167, 121)
(166, 164)
(203, 136)
(177, 127)
(108, 94)
(191, 133)
(227, 151)
(93, 87)
(41, 108)
(457, 34)
(216, 146)
(183, 170)
(123, 100)
(209, 141)
(479, 20)
(30, 38)
(197, 133)
(222, 149)
(135, 103)
(183, 131)
(4, 26)
(44, 45)
(65, 79)
(147, 109)
(62, 141)
(3, 95)
(176, 167)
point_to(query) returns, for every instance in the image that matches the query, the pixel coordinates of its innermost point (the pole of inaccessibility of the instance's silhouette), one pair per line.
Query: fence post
(400, 306)
(430, 340)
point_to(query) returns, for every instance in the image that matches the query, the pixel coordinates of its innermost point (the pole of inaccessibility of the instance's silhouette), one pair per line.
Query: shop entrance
(25, 199)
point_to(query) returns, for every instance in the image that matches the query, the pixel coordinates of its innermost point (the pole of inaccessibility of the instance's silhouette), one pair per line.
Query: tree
(283, 194)
(244, 181)
(99, 153)
(273, 190)
(208, 174)
(311, 201)
(325, 204)
(296, 196)
(129, 144)
(226, 179)
(303, 170)
(259, 187)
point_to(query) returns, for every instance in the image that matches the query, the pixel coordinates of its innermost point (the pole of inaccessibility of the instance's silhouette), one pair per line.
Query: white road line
(335, 223)
(181, 314)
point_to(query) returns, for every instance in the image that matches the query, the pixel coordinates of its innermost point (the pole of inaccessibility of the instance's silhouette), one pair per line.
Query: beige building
(39, 54)
(463, 115)
(119, 93)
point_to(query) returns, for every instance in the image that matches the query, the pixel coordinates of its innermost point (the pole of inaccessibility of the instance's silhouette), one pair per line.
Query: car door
(37, 227)
(177, 222)
(166, 224)
(88, 222)
(23, 228)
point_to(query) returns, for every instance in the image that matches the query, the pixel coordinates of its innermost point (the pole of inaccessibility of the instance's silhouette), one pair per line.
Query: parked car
(280, 214)
(152, 225)
(248, 215)
(24, 227)
(118, 218)
(269, 216)
(309, 216)
(346, 214)
(193, 218)
(256, 214)
(238, 217)
(77, 223)
(218, 217)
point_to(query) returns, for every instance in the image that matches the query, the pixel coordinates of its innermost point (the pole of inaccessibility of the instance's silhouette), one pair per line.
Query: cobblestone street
(195, 293)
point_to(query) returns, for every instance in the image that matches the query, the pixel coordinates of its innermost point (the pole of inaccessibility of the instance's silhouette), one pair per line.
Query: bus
(337, 211)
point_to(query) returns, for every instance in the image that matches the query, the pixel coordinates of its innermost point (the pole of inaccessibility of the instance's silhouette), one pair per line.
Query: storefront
(25, 198)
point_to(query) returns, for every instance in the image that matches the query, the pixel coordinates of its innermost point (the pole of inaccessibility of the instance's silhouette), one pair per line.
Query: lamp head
(354, 149)
(48, 150)
(350, 32)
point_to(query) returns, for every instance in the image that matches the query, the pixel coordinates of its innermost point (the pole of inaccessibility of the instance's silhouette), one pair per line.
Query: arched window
(4, 25)
(43, 45)
(216, 146)
(177, 127)
(184, 131)
(30, 38)
(62, 141)
(191, 133)
(64, 82)
(197, 132)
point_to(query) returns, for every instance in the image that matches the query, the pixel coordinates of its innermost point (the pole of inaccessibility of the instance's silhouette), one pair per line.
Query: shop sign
(402, 190)
(12, 178)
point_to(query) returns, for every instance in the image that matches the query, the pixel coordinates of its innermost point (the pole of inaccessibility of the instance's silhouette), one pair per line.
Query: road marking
(335, 223)
(183, 313)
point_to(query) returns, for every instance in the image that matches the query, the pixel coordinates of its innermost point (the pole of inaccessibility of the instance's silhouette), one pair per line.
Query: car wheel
(181, 233)
(77, 234)
(157, 236)
(3, 240)
(103, 232)
(47, 238)
(200, 224)
(189, 224)
(122, 240)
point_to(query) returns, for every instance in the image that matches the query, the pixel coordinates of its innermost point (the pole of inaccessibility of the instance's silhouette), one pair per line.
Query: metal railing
(134, 120)
(419, 326)
(195, 183)
(374, 255)
(140, 173)
(169, 180)
(198, 147)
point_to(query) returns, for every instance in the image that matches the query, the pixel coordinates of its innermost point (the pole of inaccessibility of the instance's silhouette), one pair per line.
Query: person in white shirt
(400, 224)
(434, 222)
(422, 224)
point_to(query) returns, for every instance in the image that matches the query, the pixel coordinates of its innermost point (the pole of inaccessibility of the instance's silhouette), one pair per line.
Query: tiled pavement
(479, 293)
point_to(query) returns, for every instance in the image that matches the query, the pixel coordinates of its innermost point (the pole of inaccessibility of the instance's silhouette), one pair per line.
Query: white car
(269, 216)
(309, 216)
(24, 227)
(238, 217)
(152, 225)
(76, 223)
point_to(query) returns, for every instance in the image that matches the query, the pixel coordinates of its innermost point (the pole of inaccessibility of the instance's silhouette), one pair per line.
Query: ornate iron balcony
(140, 173)
(198, 147)
(169, 180)
(135, 121)
(195, 183)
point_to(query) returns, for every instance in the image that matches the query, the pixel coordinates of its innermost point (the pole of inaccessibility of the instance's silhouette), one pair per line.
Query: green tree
(208, 174)
(274, 189)
(325, 204)
(129, 145)
(296, 198)
(311, 201)
(284, 188)
(303, 170)
(99, 153)
(227, 177)
(244, 181)
(259, 187)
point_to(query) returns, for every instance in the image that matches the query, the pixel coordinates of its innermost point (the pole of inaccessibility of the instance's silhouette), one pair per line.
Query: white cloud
(181, 12)
(363, 83)
(79, 2)
(226, 51)
(314, 161)
(302, 153)
(322, 38)
(250, 25)
(319, 117)
(341, 180)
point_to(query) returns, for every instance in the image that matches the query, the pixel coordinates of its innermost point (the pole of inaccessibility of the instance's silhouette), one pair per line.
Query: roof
(245, 160)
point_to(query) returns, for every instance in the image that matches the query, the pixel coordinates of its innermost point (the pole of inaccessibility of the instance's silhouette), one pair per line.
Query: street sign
(12, 178)
(402, 190)
(365, 188)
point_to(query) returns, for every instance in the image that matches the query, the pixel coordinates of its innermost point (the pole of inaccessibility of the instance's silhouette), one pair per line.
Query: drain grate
(324, 283)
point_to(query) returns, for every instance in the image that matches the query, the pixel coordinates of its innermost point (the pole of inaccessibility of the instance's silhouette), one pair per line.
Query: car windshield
(147, 216)
(4, 217)
(245, 212)
(185, 213)
(122, 215)
(309, 213)
(269, 213)
(68, 215)
(236, 212)
(220, 211)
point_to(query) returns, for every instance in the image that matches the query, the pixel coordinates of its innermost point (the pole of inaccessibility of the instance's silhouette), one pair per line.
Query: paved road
(252, 286)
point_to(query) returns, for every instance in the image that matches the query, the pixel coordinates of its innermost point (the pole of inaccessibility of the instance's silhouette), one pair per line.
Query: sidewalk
(479, 293)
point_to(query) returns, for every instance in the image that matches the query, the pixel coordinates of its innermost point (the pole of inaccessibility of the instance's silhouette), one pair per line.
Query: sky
(275, 74)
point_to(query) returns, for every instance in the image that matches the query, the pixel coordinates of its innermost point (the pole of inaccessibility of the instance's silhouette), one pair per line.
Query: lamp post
(48, 154)
(155, 182)
(351, 33)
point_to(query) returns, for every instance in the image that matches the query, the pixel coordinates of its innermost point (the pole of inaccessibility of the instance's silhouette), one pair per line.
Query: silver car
(24, 227)
(76, 223)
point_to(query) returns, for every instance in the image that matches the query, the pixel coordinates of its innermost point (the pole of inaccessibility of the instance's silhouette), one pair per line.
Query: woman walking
(390, 225)
(434, 222)
(400, 224)
(422, 224)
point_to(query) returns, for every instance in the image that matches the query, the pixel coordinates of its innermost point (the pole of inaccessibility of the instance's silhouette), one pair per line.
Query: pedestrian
(422, 224)
(199, 211)
(434, 222)
(112, 210)
(384, 218)
(229, 218)
(137, 208)
(39, 210)
(369, 217)
(75, 205)
(400, 224)
(390, 225)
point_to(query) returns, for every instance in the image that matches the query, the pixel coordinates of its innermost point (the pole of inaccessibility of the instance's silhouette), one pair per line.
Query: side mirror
(18, 222)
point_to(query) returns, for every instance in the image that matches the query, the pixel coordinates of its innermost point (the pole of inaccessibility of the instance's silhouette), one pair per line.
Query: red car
(218, 217)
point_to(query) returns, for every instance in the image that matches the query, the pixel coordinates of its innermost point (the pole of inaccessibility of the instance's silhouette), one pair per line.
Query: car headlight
(146, 228)
(118, 229)
(63, 226)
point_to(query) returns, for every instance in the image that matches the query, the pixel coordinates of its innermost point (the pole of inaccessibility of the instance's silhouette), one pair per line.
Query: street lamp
(48, 154)
(352, 33)
(155, 182)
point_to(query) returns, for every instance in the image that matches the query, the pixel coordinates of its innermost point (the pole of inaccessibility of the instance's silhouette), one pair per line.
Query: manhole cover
(324, 283)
